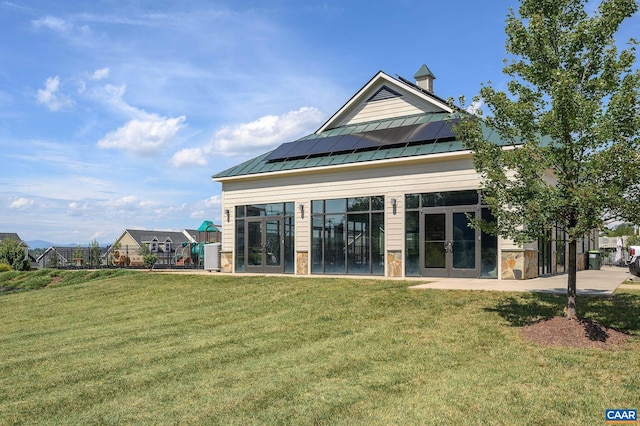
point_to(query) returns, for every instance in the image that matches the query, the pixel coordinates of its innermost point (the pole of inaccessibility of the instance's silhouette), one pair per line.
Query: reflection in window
(348, 236)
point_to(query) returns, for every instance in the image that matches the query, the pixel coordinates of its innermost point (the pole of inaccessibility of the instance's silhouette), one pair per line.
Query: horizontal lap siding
(390, 181)
(388, 108)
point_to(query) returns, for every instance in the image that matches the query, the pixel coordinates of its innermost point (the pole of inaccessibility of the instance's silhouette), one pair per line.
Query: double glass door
(451, 247)
(265, 245)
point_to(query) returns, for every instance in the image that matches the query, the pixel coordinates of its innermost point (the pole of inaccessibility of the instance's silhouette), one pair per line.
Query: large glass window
(561, 258)
(278, 225)
(348, 236)
(544, 254)
(240, 243)
(450, 198)
(438, 235)
(489, 248)
(412, 243)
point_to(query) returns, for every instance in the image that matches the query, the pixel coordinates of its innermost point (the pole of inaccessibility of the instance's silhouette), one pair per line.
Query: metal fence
(189, 256)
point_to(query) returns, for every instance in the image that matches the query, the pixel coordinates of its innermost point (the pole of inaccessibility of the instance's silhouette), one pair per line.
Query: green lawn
(150, 348)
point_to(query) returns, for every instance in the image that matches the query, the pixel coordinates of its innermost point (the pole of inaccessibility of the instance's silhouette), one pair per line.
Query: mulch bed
(581, 333)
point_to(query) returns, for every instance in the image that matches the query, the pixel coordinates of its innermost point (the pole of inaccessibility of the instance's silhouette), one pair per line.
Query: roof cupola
(424, 78)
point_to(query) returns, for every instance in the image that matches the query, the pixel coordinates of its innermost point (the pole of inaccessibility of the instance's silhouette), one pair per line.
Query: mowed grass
(152, 348)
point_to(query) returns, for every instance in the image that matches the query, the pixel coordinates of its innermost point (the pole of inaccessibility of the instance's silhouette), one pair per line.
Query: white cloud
(213, 201)
(52, 23)
(209, 209)
(475, 107)
(126, 201)
(21, 204)
(189, 157)
(143, 137)
(51, 97)
(265, 132)
(253, 138)
(100, 74)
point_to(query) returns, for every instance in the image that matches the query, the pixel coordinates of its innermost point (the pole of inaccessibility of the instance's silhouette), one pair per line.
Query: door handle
(448, 247)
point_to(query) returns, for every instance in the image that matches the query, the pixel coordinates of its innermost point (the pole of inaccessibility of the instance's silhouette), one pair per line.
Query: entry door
(265, 245)
(450, 247)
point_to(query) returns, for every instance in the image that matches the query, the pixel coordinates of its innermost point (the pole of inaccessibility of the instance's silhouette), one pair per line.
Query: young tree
(94, 253)
(572, 118)
(13, 252)
(78, 255)
(150, 260)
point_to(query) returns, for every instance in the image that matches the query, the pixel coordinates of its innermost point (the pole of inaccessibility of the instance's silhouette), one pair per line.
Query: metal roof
(424, 71)
(324, 156)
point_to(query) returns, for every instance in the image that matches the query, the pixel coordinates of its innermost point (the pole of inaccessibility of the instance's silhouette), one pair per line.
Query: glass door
(436, 245)
(451, 248)
(264, 245)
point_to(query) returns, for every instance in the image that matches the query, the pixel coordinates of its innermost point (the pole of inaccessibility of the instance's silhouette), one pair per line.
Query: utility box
(594, 259)
(212, 256)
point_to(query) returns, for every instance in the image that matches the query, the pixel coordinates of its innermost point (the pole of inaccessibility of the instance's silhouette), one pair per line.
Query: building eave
(348, 166)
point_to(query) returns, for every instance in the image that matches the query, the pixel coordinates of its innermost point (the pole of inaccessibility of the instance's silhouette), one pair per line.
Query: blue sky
(115, 114)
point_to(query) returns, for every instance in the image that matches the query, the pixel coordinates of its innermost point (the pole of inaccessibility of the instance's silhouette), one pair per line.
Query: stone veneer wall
(519, 264)
(302, 263)
(582, 261)
(394, 263)
(226, 261)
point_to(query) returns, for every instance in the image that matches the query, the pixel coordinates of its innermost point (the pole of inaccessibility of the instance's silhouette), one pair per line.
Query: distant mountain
(34, 244)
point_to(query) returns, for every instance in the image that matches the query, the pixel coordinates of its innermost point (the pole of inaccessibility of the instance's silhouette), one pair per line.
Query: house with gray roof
(167, 245)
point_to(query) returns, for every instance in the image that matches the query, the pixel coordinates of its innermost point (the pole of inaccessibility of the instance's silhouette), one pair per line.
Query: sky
(115, 114)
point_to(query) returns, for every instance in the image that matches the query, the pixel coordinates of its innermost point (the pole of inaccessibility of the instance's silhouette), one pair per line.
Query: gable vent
(384, 93)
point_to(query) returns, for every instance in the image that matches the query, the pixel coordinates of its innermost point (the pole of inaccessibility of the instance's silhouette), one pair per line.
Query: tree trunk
(572, 278)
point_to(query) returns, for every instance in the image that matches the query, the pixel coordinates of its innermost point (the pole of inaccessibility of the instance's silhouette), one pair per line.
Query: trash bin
(594, 259)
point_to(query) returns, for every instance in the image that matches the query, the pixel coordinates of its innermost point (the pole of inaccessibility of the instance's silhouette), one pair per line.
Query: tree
(53, 259)
(13, 252)
(572, 117)
(94, 253)
(150, 260)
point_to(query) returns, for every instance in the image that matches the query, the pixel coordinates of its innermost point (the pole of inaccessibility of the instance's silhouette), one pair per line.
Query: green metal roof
(259, 165)
(424, 71)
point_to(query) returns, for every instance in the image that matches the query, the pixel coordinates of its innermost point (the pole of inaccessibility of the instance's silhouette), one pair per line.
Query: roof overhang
(445, 156)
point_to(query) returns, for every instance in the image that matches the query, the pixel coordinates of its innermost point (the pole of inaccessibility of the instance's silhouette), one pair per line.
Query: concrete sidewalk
(601, 282)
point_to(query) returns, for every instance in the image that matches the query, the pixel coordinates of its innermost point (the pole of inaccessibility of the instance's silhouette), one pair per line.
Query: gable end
(384, 93)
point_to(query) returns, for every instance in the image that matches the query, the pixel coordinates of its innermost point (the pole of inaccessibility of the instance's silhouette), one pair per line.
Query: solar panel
(301, 148)
(281, 151)
(426, 132)
(446, 131)
(360, 141)
(346, 143)
(324, 145)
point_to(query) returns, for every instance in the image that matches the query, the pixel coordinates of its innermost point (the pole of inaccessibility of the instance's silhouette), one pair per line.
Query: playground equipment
(194, 253)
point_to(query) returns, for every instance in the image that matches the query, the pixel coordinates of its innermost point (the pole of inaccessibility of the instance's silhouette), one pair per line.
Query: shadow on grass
(620, 311)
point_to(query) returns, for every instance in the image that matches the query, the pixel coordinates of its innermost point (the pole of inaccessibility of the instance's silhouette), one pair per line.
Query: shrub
(4, 267)
(150, 260)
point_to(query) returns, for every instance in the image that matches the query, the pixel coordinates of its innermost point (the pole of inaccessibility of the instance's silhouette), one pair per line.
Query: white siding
(388, 108)
(391, 181)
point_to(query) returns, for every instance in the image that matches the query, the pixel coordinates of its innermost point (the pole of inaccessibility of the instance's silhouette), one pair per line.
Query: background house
(69, 256)
(184, 248)
(126, 249)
